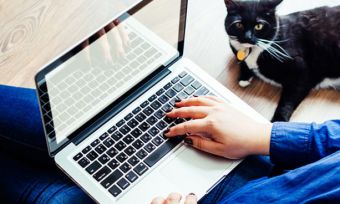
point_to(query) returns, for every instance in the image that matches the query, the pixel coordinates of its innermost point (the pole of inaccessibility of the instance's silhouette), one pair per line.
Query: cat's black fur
(311, 38)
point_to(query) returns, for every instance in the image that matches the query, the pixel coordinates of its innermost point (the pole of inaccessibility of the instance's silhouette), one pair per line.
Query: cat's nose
(249, 37)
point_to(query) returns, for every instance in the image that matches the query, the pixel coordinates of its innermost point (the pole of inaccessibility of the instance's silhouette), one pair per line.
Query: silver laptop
(103, 105)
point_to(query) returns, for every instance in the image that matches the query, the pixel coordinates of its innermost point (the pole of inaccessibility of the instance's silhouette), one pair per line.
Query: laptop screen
(99, 70)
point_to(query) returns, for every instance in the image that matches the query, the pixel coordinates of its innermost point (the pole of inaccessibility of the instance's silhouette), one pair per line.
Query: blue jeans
(29, 175)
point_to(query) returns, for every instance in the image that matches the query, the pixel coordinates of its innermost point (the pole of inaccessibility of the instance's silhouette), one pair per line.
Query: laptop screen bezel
(41, 81)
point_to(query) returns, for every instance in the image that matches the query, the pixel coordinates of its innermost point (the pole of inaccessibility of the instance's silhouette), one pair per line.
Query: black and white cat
(297, 51)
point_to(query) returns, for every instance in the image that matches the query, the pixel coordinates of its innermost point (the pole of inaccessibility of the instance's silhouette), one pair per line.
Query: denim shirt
(311, 152)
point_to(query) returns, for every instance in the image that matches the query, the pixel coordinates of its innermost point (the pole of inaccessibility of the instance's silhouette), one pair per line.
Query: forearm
(296, 144)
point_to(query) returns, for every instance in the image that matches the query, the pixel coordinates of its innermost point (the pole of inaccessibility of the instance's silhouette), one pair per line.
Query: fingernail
(188, 141)
(166, 131)
(178, 100)
(169, 110)
(195, 96)
(192, 194)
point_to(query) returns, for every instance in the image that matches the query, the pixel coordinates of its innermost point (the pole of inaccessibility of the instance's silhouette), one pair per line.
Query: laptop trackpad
(191, 167)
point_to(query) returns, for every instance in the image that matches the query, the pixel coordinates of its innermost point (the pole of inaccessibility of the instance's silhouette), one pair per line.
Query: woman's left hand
(175, 198)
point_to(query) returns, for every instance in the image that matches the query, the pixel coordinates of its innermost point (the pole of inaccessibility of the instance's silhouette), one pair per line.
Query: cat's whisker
(269, 50)
(276, 48)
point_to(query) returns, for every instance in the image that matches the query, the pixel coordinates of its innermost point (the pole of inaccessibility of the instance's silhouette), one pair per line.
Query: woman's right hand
(219, 128)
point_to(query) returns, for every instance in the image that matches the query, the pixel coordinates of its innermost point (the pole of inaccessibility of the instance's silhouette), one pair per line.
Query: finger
(173, 198)
(204, 145)
(196, 101)
(189, 127)
(191, 199)
(189, 112)
(124, 36)
(158, 200)
(105, 46)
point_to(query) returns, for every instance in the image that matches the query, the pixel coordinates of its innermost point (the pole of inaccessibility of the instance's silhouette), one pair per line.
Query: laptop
(103, 105)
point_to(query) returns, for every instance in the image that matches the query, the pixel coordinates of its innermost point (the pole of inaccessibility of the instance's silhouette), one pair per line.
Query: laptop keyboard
(130, 148)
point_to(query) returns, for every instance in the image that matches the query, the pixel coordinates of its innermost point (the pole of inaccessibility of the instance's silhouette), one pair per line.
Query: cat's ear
(273, 3)
(230, 4)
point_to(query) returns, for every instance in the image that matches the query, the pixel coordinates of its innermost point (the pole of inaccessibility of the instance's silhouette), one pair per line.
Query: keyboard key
(140, 117)
(132, 123)
(117, 136)
(148, 111)
(152, 98)
(102, 173)
(121, 157)
(133, 161)
(159, 114)
(160, 92)
(196, 85)
(144, 104)
(93, 167)
(169, 120)
(161, 125)
(108, 142)
(123, 183)
(124, 129)
(142, 154)
(157, 141)
(144, 126)
(136, 110)
(152, 120)
(153, 158)
(163, 99)
(95, 143)
(113, 164)
(189, 90)
(112, 152)
(120, 146)
(179, 120)
(136, 133)
(175, 80)
(140, 169)
(138, 144)
(146, 138)
(130, 150)
(131, 176)
(77, 157)
(104, 159)
(128, 116)
(125, 167)
(167, 86)
(111, 130)
(83, 162)
(183, 74)
(187, 80)
(167, 108)
(150, 147)
(202, 91)
(155, 105)
(120, 123)
(100, 149)
(128, 139)
(178, 87)
(92, 155)
(182, 95)
(171, 93)
(153, 131)
(115, 191)
(104, 136)
(86, 150)
(112, 178)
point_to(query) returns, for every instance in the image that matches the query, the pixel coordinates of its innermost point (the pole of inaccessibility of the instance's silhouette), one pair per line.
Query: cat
(296, 51)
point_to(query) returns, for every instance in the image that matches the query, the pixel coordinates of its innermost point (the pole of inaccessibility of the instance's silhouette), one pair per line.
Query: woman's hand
(175, 198)
(220, 129)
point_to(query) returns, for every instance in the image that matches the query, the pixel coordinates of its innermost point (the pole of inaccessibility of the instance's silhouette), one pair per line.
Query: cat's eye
(239, 25)
(259, 26)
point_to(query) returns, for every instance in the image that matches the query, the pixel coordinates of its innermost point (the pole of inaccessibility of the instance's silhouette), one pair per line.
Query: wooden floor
(34, 32)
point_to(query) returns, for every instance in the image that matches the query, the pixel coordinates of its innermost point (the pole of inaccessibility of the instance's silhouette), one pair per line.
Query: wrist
(262, 139)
